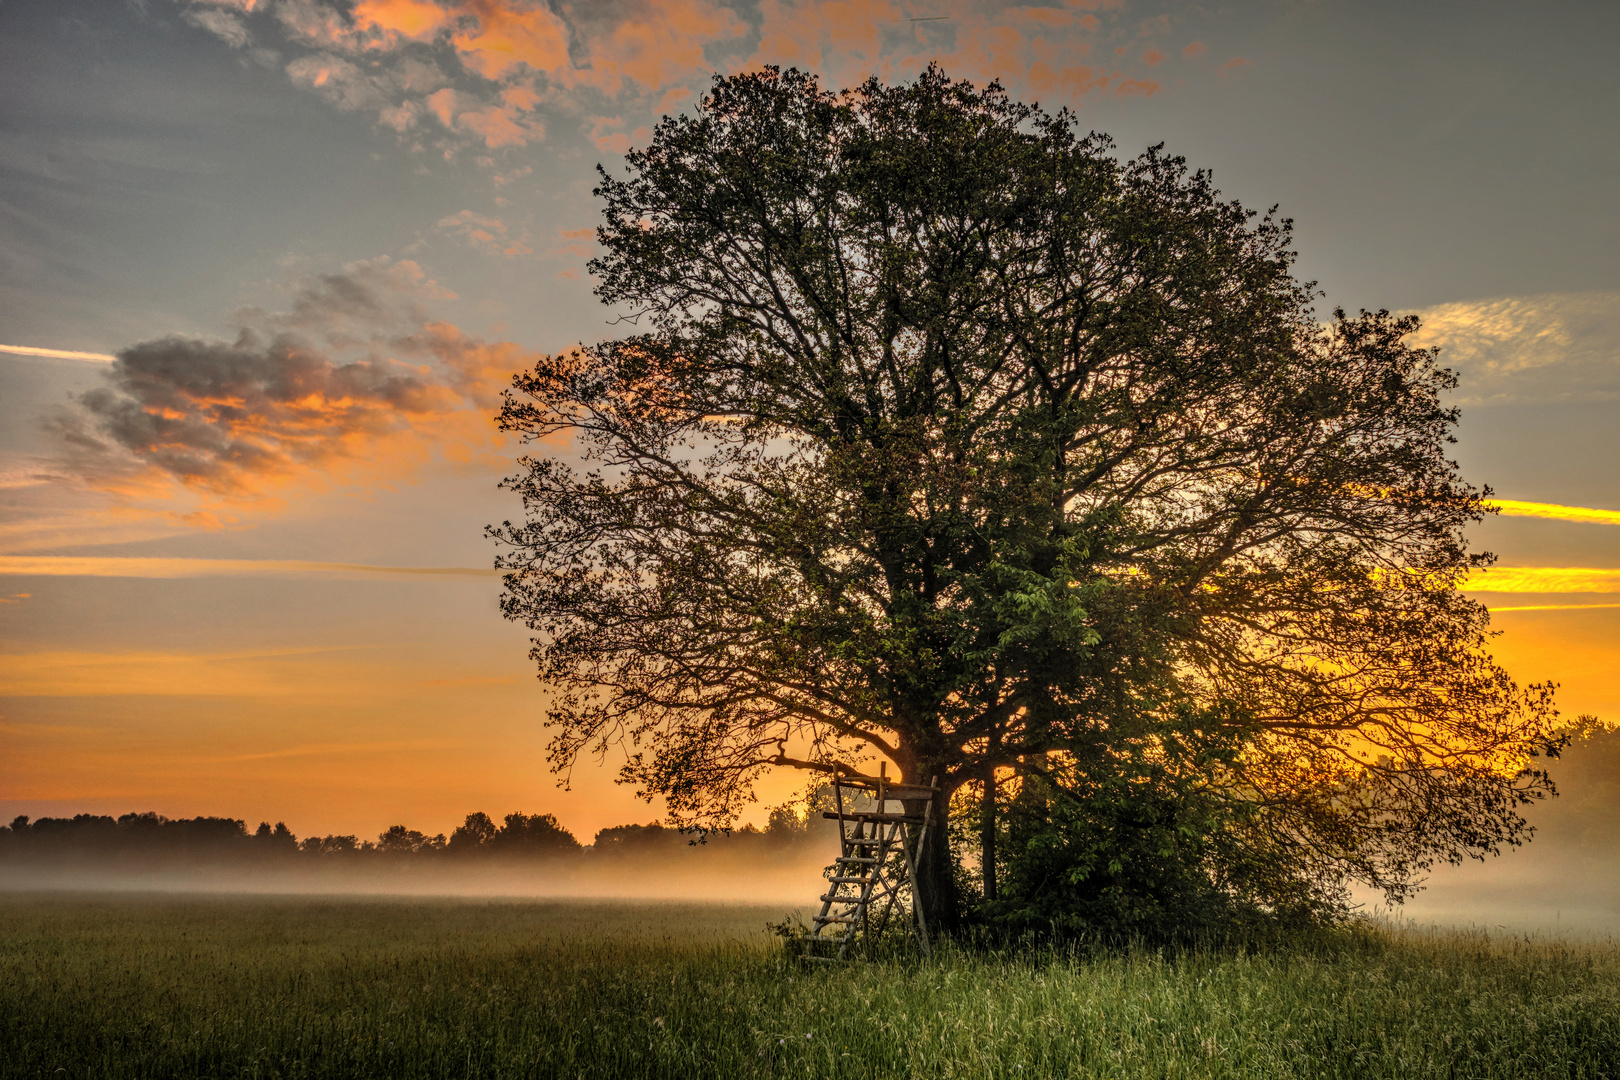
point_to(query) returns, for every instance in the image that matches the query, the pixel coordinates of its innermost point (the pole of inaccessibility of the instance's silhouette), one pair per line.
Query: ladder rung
(823, 959)
(835, 918)
(845, 880)
(893, 790)
(856, 858)
(836, 899)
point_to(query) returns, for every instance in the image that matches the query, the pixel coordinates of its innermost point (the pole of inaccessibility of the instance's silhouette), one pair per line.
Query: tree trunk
(987, 833)
(936, 877)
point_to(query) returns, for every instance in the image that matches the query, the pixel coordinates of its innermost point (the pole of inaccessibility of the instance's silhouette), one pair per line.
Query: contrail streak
(159, 567)
(58, 354)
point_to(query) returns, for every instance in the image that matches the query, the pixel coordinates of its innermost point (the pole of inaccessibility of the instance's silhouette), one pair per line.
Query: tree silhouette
(473, 834)
(954, 440)
(533, 834)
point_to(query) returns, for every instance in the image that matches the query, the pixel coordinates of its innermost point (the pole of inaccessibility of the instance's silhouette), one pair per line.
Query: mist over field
(526, 855)
(699, 874)
(1566, 880)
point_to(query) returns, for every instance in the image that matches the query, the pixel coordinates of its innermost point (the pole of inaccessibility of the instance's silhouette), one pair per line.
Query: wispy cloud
(158, 567)
(485, 233)
(1550, 347)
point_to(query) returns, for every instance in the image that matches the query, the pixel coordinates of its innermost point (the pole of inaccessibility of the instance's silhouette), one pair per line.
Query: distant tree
(330, 845)
(1582, 818)
(398, 840)
(134, 835)
(279, 838)
(782, 821)
(533, 834)
(636, 839)
(473, 834)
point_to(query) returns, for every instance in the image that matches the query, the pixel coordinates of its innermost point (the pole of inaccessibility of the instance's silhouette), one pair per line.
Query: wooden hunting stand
(880, 847)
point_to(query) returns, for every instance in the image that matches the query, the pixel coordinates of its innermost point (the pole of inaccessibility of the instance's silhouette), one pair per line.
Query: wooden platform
(877, 864)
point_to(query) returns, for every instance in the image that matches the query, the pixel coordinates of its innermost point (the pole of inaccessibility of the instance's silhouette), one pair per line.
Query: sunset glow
(278, 260)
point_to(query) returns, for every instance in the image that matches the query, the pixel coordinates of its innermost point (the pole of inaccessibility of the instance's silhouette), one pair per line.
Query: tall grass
(221, 987)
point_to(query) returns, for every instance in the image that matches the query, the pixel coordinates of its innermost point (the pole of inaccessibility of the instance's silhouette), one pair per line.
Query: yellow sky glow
(1516, 508)
(264, 673)
(1545, 579)
(1550, 607)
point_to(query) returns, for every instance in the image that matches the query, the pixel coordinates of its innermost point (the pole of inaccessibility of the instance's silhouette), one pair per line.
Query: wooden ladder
(880, 849)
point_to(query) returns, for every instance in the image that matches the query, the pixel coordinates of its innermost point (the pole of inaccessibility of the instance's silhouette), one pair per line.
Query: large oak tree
(948, 437)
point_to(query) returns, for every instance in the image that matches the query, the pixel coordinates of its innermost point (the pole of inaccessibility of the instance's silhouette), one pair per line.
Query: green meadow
(188, 986)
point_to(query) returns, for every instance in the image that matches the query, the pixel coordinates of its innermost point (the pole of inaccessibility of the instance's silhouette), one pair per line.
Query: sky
(244, 573)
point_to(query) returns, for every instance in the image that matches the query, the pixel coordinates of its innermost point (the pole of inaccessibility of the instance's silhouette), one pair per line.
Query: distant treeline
(518, 835)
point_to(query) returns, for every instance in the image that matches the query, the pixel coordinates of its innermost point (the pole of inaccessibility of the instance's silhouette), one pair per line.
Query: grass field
(298, 987)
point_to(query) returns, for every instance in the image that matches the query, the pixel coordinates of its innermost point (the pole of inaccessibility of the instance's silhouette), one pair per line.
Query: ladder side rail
(866, 899)
(891, 888)
(824, 919)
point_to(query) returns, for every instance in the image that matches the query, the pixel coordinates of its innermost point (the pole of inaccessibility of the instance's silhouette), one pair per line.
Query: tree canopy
(949, 437)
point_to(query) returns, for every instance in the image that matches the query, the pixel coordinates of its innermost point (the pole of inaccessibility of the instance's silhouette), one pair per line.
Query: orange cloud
(500, 36)
(417, 20)
(1232, 65)
(1197, 48)
(507, 59)
(841, 38)
(650, 46)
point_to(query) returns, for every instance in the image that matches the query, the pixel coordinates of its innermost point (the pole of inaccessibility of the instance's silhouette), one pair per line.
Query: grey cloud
(296, 391)
(222, 24)
(217, 413)
(342, 83)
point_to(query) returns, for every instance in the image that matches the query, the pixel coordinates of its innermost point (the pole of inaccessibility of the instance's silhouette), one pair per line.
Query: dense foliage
(949, 437)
